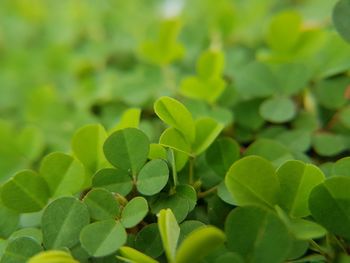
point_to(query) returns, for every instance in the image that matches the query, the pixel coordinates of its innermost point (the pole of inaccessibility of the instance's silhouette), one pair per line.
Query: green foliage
(174, 131)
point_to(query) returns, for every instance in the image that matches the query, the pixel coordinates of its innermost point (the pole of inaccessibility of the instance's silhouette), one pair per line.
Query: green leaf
(19, 250)
(169, 231)
(26, 192)
(127, 149)
(278, 109)
(329, 204)
(187, 227)
(153, 177)
(297, 179)
(157, 151)
(252, 181)
(31, 142)
(133, 213)
(341, 13)
(103, 238)
(327, 144)
(258, 235)
(271, 150)
(284, 31)
(207, 129)
(178, 205)
(62, 221)
(101, 204)
(31, 232)
(9, 221)
(63, 174)
(229, 257)
(221, 154)
(129, 119)
(175, 114)
(135, 256)
(199, 243)
(172, 138)
(210, 64)
(52, 256)
(114, 180)
(148, 241)
(87, 146)
(341, 167)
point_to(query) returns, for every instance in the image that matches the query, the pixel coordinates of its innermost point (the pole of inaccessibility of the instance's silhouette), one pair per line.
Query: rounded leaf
(252, 181)
(62, 222)
(341, 14)
(103, 238)
(53, 256)
(257, 234)
(149, 242)
(101, 204)
(132, 255)
(278, 110)
(114, 180)
(25, 192)
(134, 211)
(127, 149)
(63, 174)
(153, 177)
(19, 250)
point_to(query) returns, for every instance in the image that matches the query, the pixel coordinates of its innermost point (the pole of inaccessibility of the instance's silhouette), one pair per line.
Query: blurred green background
(67, 63)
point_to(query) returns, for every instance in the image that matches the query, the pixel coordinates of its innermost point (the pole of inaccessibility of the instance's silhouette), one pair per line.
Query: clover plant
(174, 131)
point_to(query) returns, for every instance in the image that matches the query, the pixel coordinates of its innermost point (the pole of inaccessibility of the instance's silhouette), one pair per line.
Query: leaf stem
(173, 167)
(207, 192)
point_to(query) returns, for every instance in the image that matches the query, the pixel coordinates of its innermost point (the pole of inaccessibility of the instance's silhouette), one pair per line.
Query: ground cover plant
(193, 131)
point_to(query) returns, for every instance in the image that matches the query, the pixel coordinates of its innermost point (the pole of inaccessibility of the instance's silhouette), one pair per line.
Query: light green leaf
(252, 181)
(101, 204)
(169, 232)
(103, 238)
(19, 250)
(297, 179)
(129, 119)
(172, 138)
(341, 167)
(207, 129)
(278, 110)
(157, 151)
(114, 180)
(62, 221)
(341, 14)
(133, 213)
(135, 256)
(127, 149)
(26, 192)
(52, 256)
(328, 144)
(153, 177)
(175, 114)
(199, 243)
(63, 174)
(87, 146)
(258, 235)
(329, 204)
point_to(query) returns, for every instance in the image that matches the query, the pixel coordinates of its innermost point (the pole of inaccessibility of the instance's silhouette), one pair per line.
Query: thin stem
(207, 192)
(190, 173)
(319, 249)
(173, 167)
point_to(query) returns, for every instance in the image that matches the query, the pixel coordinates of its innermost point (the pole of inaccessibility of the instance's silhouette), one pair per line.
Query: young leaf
(19, 250)
(329, 204)
(341, 13)
(257, 234)
(135, 256)
(63, 174)
(114, 180)
(52, 256)
(133, 213)
(172, 138)
(207, 129)
(169, 232)
(26, 192)
(297, 179)
(152, 177)
(62, 221)
(103, 238)
(129, 119)
(341, 167)
(31, 232)
(101, 204)
(252, 181)
(87, 146)
(127, 149)
(199, 243)
(175, 114)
